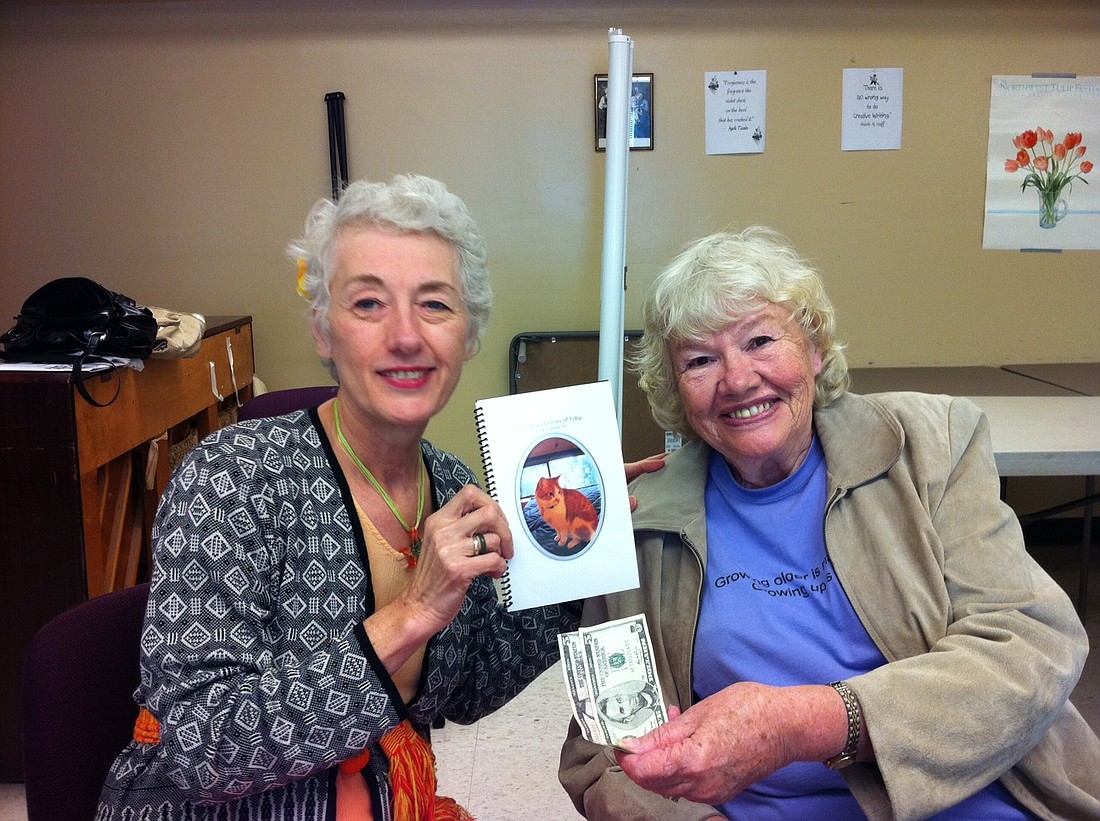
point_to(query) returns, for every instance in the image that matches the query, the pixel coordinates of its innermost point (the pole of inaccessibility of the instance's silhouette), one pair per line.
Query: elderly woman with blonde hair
(845, 620)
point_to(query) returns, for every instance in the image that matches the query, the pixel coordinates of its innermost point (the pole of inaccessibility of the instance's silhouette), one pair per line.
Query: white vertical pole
(613, 273)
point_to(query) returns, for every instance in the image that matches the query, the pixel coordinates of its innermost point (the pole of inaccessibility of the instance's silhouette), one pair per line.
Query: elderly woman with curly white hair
(322, 588)
(845, 620)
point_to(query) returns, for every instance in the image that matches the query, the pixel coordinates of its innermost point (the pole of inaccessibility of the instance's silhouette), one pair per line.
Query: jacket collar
(861, 441)
(672, 497)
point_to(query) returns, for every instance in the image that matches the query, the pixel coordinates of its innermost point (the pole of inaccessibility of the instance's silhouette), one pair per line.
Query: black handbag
(77, 320)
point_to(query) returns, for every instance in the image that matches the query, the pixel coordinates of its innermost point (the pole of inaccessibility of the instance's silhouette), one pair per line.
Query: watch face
(841, 761)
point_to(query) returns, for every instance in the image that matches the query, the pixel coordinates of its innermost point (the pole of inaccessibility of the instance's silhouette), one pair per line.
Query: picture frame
(641, 110)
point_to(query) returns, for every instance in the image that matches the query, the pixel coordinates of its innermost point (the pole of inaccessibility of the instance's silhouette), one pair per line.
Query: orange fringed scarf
(412, 774)
(412, 771)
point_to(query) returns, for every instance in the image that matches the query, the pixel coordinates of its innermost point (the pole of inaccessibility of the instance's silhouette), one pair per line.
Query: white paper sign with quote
(554, 463)
(872, 109)
(736, 106)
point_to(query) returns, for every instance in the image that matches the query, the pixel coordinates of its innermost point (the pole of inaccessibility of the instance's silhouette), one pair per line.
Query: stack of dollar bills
(611, 679)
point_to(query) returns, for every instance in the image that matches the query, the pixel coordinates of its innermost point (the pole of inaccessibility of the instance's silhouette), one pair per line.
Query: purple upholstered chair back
(274, 403)
(79, 677)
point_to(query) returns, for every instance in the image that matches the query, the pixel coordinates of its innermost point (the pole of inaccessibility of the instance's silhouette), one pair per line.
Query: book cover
(554, 463)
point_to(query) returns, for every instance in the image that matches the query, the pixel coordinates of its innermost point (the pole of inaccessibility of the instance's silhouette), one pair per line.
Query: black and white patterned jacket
(253, 654)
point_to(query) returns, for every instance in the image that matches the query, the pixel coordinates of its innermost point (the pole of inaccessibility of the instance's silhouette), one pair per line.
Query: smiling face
(397, 328)
(748, 391)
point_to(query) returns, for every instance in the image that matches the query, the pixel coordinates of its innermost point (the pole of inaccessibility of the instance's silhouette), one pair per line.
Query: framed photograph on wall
(641, 112)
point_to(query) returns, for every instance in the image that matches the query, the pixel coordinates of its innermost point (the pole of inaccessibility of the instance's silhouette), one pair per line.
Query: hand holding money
(612, 681)
(728, 741)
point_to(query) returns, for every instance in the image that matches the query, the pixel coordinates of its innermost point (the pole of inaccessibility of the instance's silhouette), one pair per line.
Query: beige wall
(171, 149)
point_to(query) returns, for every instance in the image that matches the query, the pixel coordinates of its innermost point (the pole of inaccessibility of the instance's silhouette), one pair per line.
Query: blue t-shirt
(774, 612)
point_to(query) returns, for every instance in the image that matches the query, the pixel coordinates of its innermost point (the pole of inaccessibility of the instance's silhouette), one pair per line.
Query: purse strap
(78, 371)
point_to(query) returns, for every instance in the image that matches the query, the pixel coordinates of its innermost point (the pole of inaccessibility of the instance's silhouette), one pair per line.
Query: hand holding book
(651, 464)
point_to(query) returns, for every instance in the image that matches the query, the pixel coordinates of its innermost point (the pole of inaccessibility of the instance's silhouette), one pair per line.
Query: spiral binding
(491, 486)
(506, 590)
(483, 445)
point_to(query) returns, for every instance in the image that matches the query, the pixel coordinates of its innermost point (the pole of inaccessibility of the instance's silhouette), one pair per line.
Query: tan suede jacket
(983, 646)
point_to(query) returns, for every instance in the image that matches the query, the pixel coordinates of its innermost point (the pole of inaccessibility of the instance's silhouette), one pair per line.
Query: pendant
(414, 551)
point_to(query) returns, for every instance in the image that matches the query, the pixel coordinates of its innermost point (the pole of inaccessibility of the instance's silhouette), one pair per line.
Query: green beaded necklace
(413, 553)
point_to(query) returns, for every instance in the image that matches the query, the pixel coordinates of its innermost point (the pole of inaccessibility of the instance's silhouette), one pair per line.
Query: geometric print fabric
(253, 655)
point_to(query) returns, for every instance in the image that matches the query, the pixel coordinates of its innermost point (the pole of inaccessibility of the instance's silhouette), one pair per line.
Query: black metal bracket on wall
(337, 142)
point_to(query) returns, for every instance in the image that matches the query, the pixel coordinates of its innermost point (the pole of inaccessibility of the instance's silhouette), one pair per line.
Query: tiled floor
(505, 767)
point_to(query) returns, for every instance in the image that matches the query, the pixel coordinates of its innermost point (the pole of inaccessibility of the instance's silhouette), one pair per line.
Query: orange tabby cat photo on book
(560, 494)
(568, 511)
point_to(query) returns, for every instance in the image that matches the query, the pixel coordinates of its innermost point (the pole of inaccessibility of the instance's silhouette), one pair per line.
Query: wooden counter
(79, 484)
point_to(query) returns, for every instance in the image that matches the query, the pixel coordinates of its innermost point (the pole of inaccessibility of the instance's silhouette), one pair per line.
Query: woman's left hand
(651, 464)
(466, 538)
(715, 749)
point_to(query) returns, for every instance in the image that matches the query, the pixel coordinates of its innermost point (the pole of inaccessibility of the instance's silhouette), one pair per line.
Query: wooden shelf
(81, 483)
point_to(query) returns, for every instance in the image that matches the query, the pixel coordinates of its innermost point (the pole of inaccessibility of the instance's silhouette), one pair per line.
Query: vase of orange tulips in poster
(1051, 169)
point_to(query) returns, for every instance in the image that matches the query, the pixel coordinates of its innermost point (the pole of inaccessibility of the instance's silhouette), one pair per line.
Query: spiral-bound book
(554, 463)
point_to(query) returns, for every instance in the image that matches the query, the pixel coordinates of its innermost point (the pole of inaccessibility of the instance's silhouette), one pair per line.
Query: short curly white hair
(408, 203)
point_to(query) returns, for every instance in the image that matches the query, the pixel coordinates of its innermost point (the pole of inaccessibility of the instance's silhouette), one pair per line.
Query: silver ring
(481, 547)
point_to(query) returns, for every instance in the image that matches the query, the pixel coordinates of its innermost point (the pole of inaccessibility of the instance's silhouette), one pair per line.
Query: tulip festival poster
(1042, 191)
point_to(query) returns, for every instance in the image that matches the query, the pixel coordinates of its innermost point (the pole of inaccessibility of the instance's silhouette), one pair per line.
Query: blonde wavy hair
(714, 282)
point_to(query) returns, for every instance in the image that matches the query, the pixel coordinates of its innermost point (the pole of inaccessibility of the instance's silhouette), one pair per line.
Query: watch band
(855, 727)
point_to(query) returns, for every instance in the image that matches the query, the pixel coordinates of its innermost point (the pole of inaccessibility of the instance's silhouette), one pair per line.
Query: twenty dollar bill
(612, 681)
